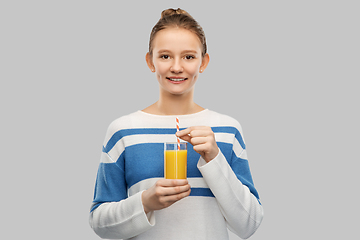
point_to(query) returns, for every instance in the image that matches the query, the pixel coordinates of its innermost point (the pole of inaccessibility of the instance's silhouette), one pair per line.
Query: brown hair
(181, 19)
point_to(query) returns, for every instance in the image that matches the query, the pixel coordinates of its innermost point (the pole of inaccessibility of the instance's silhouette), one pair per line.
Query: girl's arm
(121, 220)
(241, 209)
(114, 214)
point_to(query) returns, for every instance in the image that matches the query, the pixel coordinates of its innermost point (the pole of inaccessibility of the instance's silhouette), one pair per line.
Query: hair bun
(178, 18)
(171, 11)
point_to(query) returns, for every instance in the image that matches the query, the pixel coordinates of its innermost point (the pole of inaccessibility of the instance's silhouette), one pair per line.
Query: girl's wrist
(213, 155)
(144, 200)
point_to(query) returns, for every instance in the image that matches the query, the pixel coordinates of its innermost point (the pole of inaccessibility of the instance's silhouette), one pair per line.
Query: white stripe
(148, 183)
(238, 149)
(117, 150)
(224, 137)
(142, 185)
(105, 158)
(143, 120)
(243, 154)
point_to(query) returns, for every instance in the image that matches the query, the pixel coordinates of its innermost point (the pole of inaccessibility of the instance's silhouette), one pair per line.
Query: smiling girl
(132, 199)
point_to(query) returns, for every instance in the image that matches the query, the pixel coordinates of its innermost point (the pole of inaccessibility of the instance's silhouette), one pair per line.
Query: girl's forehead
(176, 38)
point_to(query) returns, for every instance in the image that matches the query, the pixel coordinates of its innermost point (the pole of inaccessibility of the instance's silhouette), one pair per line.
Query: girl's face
(177, 60)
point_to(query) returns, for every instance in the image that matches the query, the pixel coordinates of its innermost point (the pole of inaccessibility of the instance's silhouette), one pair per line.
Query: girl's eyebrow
(163, 50)
(185, 51)
(189, 51)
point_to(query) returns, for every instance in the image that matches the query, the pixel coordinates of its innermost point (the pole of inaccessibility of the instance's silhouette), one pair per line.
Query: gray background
(287, 70)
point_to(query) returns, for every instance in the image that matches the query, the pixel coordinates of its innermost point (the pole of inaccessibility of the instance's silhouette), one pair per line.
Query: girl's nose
(176, 67)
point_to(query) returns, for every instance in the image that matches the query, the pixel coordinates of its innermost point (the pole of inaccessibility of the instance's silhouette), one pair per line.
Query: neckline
(172, 116)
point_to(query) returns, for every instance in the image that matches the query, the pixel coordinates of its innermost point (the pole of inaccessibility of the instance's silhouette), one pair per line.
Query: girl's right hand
(164, 193)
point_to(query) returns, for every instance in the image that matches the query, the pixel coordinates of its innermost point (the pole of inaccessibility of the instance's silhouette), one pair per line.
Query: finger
(190, 130)
(184, 132)
(206, 149)
(201, 132)
(201, 148)
(176, 190)
(173, 198)
(198, 140)
(171, 182)
(186, 138)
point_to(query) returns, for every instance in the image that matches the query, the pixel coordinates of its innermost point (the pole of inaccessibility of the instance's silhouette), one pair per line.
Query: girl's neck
(174, 105)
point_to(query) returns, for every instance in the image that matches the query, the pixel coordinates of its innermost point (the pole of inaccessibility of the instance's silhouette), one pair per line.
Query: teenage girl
(132, 199)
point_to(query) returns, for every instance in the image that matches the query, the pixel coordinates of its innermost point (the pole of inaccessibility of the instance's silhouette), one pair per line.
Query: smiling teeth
(177, 79)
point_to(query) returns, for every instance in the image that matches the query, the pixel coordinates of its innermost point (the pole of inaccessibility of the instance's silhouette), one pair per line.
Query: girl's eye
(165, 57)
(189, 57)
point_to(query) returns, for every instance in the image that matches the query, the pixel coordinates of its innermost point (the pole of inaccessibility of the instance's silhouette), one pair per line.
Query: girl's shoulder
(124, 122)
(141, 119)
(224, 120)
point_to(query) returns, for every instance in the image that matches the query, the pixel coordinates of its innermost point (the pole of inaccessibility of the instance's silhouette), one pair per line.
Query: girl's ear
(149, 62)
(205, 62)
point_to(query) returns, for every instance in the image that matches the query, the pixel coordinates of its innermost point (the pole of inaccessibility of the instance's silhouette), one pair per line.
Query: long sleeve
(113, 214)
(239, 206)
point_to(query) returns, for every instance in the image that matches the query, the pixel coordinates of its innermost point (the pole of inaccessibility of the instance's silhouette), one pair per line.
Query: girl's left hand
(203, 141)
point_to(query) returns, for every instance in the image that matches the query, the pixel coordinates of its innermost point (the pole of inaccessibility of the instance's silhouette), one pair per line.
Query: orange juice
(175, 164)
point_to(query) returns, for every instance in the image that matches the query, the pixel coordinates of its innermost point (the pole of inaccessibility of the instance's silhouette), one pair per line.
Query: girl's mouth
(176, 79)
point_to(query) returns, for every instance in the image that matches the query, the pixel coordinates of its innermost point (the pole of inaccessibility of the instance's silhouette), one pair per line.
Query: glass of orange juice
(175, 160)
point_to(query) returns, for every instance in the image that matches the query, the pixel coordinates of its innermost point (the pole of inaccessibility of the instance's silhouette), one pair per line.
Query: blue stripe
(110, 185)
(203, 192)
(151, 155)
(128, 132)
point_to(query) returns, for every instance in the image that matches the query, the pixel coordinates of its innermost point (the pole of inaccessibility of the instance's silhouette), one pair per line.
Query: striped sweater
(222, 191)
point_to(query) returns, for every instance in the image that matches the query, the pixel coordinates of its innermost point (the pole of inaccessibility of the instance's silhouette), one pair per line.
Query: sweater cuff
(121, 220)
(140, 217)
(218, 174)
(150, 216)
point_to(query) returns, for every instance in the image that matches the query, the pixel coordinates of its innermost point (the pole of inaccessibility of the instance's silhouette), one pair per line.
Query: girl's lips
(176, 79)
